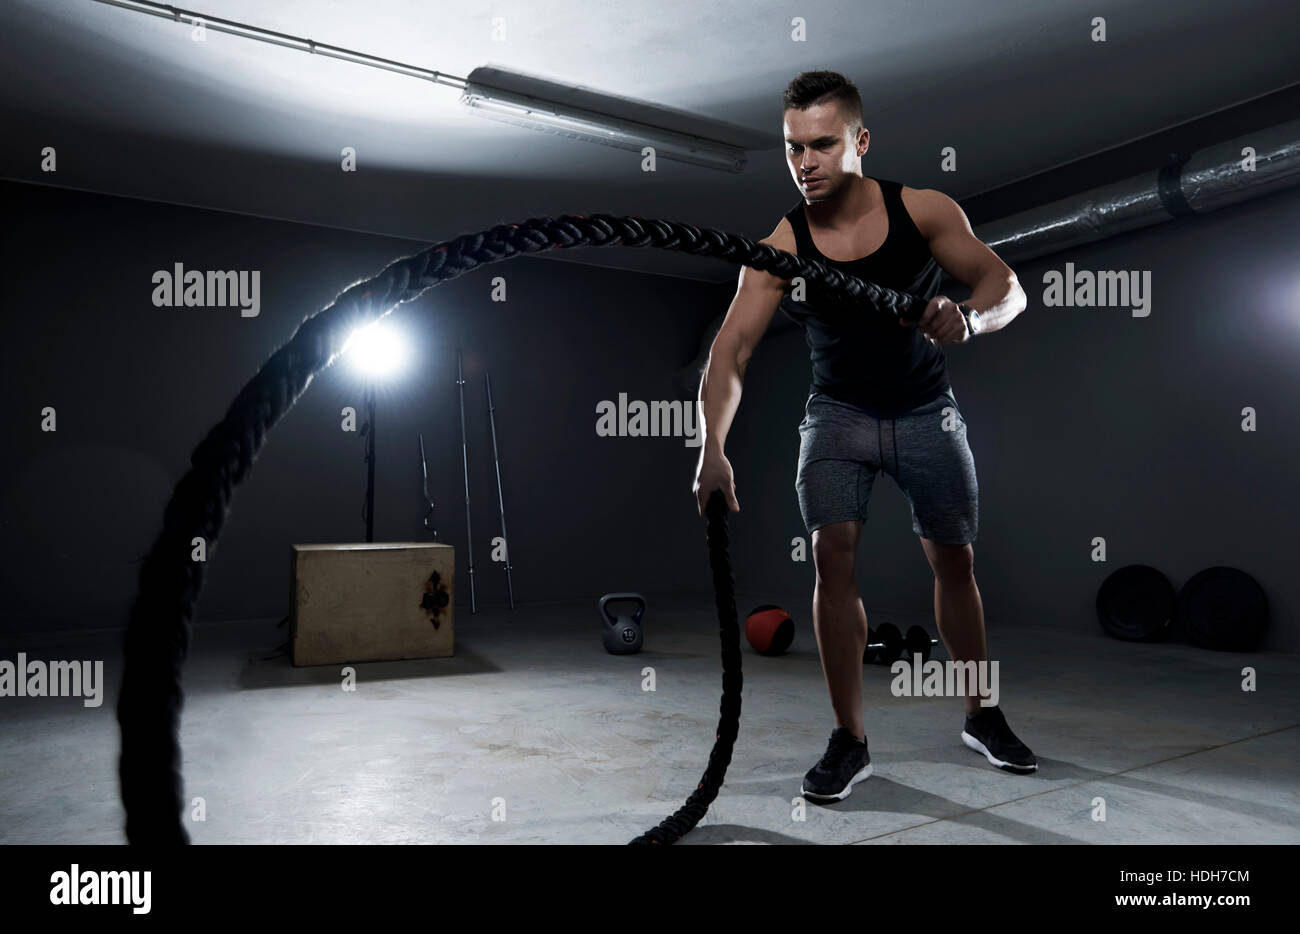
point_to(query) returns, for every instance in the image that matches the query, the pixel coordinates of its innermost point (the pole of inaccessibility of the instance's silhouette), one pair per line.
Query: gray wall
(136, 387)
(1083, 422)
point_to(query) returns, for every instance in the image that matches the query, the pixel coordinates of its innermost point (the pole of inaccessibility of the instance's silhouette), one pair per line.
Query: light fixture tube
(575, 123)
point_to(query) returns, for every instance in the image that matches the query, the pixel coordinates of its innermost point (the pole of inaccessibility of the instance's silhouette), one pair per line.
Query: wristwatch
(972, 317)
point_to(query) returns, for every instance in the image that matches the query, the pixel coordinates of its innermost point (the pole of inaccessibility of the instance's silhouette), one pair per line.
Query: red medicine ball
(769, 629)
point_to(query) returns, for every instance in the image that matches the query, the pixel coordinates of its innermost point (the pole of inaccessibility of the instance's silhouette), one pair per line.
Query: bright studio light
(377, 351)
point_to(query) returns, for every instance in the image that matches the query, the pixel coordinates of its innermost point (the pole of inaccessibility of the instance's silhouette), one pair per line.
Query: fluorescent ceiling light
(622, 135)
(532, 101)
(623, 122)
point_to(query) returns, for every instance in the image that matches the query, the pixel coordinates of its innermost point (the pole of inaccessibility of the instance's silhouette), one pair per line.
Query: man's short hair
(820, 87)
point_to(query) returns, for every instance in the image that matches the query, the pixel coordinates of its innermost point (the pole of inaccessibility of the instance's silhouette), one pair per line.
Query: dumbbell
(886, 644)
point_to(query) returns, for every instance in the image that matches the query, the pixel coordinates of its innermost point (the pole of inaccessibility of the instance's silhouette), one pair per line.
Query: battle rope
(158, 629)
(676, 826)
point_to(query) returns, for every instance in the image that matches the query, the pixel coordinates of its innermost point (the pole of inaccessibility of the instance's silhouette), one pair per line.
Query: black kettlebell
(622, 635)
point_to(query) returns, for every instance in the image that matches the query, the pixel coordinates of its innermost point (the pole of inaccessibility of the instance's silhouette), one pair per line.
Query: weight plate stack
(1137, 604)
(1223, 608)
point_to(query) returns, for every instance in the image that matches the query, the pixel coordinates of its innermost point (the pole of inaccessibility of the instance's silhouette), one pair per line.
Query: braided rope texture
(681, 822)
(158, 629)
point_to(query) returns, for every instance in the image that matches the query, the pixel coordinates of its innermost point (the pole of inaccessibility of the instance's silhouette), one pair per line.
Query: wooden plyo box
(371, 602)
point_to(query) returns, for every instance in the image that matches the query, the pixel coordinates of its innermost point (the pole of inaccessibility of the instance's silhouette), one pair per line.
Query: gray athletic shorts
(842, 449)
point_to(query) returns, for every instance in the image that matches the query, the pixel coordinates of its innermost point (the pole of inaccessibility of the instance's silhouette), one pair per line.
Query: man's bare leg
(958, 610)
(839, 620)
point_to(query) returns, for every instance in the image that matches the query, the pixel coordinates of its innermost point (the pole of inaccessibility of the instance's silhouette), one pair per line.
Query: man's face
(821, 150)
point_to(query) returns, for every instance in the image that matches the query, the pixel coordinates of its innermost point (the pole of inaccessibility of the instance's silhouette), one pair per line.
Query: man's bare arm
(995, 290)
(757, 298)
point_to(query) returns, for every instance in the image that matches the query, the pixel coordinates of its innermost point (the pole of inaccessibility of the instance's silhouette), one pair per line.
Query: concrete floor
(533, 712)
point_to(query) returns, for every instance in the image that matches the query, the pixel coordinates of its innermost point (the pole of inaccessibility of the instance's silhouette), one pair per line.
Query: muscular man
(877, 402)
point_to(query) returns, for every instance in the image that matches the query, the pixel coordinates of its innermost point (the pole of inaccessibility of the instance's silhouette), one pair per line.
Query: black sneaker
(987, 732)
(845, 763)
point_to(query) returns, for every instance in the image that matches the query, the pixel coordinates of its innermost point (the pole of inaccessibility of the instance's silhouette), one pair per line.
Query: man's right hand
(714, 473)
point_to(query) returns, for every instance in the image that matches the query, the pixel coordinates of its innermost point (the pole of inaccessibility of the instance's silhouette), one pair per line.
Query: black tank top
(864, 357)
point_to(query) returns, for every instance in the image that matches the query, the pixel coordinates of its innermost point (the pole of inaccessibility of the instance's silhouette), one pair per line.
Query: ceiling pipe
(1205, 181)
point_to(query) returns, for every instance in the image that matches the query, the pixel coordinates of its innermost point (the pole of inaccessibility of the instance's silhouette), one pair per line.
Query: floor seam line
(1048, 791)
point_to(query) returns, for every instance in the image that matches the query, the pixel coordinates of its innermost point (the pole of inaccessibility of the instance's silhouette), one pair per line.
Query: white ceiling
(135, 107)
